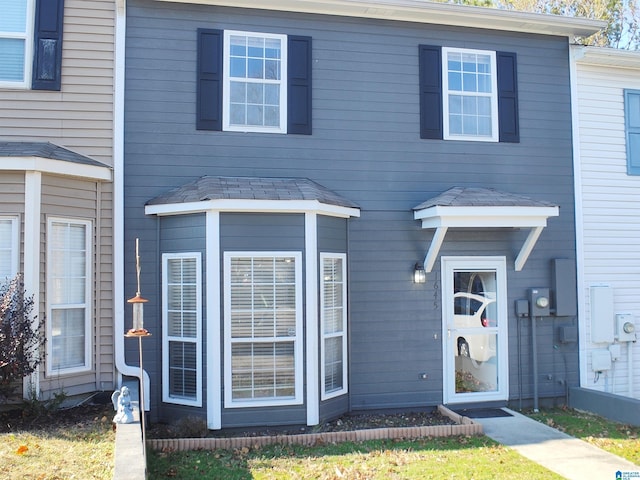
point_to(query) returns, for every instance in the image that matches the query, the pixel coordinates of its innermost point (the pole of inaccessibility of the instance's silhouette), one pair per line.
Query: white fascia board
(604, 56)
(253, 206)
(427, 12)
(485, 217)
(56, 167)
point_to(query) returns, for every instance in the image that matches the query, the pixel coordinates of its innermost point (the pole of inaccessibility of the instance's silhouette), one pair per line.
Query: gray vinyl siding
(365, 146)
(176, 235)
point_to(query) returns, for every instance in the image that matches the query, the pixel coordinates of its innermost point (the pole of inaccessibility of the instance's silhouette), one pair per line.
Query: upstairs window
(253, 82)
(16, 30)
(468, 94)
(31, 44)
(255, 96)
(470, 98)
(632, 130)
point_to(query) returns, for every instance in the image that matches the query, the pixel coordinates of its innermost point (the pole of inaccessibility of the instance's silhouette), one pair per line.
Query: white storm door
(474, 329)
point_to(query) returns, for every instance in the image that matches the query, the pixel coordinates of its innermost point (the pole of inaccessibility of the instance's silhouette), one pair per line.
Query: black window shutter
(209, 87)
(508, 97)
(47, 54)
(430, 64)
(299, 85)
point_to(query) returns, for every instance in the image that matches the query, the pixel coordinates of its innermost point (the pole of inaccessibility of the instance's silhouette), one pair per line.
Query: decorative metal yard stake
(140, 332)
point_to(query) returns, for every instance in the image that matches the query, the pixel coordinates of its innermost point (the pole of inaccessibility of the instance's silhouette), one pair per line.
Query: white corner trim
(253, 206)
(57, 167)
(32, 212)
(312, 323)
(213, 321)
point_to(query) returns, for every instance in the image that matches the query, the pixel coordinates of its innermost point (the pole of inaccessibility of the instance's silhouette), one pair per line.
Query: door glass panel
(474, 331)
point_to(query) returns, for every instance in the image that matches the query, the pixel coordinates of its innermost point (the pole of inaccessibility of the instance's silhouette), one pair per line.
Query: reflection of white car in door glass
(470, 311)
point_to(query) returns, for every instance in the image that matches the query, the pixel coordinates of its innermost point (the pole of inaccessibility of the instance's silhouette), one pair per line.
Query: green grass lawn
(616, 438)
(435, 458)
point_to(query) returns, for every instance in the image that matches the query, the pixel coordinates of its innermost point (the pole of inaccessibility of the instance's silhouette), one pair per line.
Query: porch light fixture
(419, 275)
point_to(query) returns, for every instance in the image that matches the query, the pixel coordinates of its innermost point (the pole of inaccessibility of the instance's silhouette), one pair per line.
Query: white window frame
(27, 36)
(297, 398)
(226, 90)
(167, 397)
(14, 247)
(325, 395)
(88, 298)
(494, 137)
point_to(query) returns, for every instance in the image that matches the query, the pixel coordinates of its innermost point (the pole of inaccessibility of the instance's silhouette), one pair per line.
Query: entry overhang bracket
(444, 217)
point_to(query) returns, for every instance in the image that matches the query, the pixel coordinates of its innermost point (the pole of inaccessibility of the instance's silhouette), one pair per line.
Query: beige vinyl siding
(80, 116)
(80, 199)
(610, 209)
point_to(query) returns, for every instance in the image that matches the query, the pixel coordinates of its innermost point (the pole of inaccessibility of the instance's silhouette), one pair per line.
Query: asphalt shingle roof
(45, 150)
(480, 197)
(251, 188)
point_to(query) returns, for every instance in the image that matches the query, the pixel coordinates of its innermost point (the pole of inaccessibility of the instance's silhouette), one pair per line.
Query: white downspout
(118, 201)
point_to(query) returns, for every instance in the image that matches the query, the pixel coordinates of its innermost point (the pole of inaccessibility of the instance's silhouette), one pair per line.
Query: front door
(474, 327)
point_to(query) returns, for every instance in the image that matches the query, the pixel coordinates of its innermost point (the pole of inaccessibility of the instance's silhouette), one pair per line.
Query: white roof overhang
(55, 167)
(253, 206)
(443, 217)
(422, 11)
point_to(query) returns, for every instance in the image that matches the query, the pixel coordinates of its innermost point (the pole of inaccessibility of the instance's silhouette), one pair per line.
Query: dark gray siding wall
(261, 232)
(365, 145)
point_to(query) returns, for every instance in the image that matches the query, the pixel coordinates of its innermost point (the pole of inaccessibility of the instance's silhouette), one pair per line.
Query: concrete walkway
(557, 451)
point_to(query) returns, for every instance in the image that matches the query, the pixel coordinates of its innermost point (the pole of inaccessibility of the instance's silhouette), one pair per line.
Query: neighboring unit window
(263, 329)
(333, 318)
(68, 295)
(16, 26)
(31, 43)
(470, 95)
(181, 326)
(255, 96)
(9, 244)
(253, 82)
(632, 129)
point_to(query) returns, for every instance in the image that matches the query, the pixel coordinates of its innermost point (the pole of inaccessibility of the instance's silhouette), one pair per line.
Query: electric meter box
(539, 302)
(626, 329)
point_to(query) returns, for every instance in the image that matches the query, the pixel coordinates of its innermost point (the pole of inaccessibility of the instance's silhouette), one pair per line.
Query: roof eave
(421, 11)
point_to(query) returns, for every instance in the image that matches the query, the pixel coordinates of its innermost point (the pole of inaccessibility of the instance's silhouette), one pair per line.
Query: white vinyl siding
(255, 82)
(263, 329)
(470, 94)
(333, 320)
(609, 210)
(9, 246)
(16, 30)
(68, 295)
(181, 327)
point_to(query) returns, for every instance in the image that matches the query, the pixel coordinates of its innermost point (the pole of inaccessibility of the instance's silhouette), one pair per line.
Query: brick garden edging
(463, 426)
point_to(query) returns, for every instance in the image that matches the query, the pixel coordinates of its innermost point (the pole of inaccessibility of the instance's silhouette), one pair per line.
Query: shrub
(20, 337)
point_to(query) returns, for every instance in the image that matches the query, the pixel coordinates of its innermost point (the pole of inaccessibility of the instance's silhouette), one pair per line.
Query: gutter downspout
(118, 203)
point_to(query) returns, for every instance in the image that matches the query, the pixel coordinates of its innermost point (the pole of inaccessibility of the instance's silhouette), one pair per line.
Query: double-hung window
(255, 94)
(9, 245)
(16, 30)
(31, 44)
(263, 329)
(182, 326)
(470, 95)
(253, 82)
(632, 130)
(68, 295)
(333, 319)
